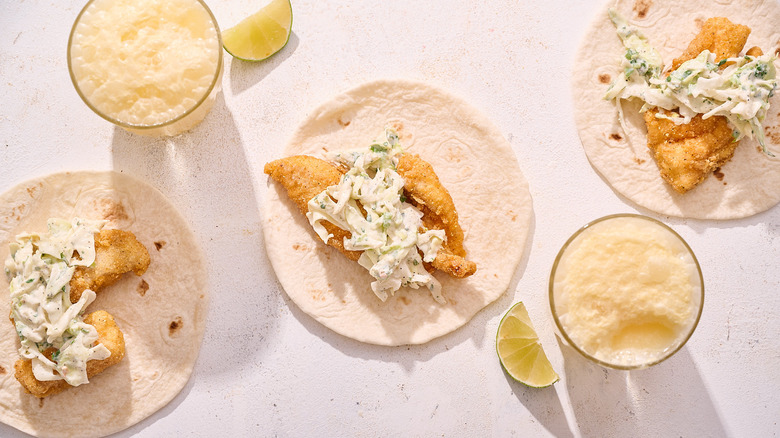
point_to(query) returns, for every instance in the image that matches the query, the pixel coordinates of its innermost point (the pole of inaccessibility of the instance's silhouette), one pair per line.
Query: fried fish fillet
(718, 35)
(426, 192)
(116, 252)
(304, 177)
(687, 154)
(109, 335)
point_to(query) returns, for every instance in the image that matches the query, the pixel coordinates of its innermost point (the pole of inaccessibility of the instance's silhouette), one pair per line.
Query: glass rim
(567, 338)
(214, 80)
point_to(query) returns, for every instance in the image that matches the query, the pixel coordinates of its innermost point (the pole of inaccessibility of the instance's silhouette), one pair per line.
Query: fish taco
(121, 281)
(677, 108)
(440, 161)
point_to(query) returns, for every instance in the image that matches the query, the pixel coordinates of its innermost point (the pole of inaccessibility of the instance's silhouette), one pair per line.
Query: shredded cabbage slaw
(740, 91)
(390, 233)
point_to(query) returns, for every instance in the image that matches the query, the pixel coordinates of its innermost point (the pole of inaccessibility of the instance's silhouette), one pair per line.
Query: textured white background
(267, 369)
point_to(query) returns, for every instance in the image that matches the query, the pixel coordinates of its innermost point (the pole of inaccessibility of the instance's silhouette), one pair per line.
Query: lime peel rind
(519, 351)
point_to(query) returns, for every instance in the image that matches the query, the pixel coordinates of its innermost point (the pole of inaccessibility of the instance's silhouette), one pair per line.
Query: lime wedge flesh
(260, 35)
(520, 352)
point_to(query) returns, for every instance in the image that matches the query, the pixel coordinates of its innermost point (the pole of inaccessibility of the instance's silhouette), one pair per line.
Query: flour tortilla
(473, 161)
(748, 184)
(162, 313)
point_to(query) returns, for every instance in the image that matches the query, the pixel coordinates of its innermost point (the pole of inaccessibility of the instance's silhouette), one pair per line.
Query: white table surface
(268, 369)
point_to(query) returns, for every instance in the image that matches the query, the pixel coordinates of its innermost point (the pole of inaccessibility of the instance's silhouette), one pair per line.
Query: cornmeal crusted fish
(428, 194)
(116, 252)
(304, 177)
(686, 154)
(110, 336)
(85, 266)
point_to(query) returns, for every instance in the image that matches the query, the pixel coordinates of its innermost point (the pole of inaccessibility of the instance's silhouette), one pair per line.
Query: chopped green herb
(761, 71)
(376, 147)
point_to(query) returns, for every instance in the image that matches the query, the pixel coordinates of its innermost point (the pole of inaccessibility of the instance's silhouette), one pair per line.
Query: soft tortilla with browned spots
(474, 162)
(161, 314)
(746, 185)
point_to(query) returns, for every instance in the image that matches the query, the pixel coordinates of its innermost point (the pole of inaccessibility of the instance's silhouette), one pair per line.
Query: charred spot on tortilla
(453, 156)
(31, 190)
(143, 287)
(318, 295)
(110, 209)
(642, 7)
(2, 370)
(605, 78)
(16, 213)
(160, 244)
(343, 123)
(773, 133)
(175, 326)
(615, 136)
(718, 174)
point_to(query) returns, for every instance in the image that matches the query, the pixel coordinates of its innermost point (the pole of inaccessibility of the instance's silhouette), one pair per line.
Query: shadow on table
(545, 406)
(206, 175)
(245, 74)
(669, 398)
(412, 354)
(162, 413)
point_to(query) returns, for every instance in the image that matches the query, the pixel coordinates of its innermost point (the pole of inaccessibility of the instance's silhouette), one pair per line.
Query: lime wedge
(520, 352)
(260, 35)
